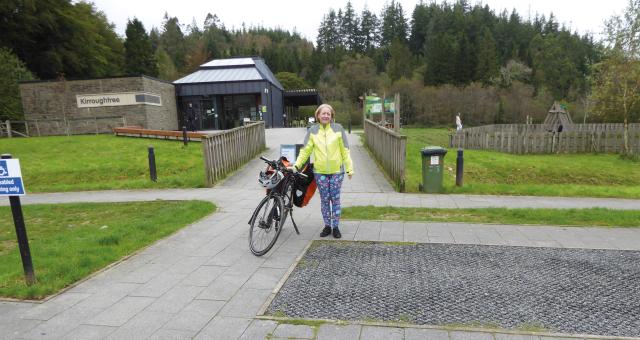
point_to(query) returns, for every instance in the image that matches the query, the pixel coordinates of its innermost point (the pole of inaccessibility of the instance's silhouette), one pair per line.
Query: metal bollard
(184, 135)
(349, 125)
(459, 167)
(152, 165)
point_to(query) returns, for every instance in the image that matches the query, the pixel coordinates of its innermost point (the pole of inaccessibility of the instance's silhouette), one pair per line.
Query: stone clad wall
(160, 117)
(50, 107)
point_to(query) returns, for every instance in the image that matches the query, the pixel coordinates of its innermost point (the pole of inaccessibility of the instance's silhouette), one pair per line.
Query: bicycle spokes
(266, 225)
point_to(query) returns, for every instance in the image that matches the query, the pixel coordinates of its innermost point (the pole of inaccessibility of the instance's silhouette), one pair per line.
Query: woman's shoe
(326, 231)
(336, 233)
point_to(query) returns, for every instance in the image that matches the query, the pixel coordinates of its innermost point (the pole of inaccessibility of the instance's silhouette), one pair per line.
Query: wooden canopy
(558, 119)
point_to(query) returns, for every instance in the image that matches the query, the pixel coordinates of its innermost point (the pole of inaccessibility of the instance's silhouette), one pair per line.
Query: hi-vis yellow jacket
(330, 148)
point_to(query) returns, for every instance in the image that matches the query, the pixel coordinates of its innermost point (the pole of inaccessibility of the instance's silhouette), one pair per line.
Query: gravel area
(586, 291)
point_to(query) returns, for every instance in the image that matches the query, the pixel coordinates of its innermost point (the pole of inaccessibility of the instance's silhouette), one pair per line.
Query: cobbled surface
(561, 290)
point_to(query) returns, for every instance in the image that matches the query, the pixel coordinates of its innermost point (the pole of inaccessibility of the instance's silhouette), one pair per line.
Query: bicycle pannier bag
(304, 187)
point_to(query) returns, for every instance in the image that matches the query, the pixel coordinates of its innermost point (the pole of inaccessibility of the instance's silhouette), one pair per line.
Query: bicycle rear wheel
(266, 225)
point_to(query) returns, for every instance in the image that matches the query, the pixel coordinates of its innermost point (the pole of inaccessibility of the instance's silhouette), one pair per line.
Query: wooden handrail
(390, 150)
(228, 150)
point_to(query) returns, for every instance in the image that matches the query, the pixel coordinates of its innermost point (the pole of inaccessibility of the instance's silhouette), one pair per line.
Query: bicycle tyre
(265, 224)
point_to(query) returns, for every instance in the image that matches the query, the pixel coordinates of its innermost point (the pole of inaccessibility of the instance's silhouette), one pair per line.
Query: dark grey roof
(266, 72)
(220, 75)
(229, 70)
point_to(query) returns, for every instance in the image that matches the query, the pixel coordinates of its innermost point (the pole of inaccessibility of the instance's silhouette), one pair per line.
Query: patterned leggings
(329, 186)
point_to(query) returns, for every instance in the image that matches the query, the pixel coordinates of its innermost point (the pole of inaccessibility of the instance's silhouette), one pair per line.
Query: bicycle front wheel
(266, 225)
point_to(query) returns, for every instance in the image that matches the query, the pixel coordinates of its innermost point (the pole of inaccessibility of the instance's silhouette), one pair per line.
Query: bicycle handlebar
(274, 164)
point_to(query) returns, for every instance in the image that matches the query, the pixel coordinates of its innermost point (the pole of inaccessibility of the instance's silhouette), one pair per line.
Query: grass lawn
(489, 172)
(70, 241)
(102, 162)
(564, 217)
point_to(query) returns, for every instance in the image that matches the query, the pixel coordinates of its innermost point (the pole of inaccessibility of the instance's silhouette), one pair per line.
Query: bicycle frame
(287, 198)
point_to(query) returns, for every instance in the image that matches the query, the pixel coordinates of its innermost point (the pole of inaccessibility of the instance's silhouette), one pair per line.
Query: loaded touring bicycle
(285, 189)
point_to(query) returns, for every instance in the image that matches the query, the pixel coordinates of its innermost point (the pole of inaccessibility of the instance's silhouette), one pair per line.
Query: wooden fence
(530, 128)
(390, 150)
(525, 139)
(159, 134)
(61, 126)
(229, 150)
(6, 129)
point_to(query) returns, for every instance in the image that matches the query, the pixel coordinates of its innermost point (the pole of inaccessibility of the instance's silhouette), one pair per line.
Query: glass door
(209, 115)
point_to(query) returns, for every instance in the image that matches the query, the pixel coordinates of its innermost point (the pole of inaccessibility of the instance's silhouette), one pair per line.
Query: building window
(144, 98)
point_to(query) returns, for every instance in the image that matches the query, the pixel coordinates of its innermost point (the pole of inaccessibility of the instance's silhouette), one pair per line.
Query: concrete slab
(245, 303)
(421, 334)
(339, 332)
(195, 316)
(259, 329)
(118, 314)
(293, 331)
(89, 332)
(222, 327)
(382, 333)
(141, 326)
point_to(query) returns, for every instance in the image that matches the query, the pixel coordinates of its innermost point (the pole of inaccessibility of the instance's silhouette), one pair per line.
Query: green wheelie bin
(432, 169)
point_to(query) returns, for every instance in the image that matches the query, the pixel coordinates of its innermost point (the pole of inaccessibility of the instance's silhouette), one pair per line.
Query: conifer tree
(369, 31)
(487, 66)
(349, 28)
(172, 41)
(139, 55)
(400, 62)
(394, 24)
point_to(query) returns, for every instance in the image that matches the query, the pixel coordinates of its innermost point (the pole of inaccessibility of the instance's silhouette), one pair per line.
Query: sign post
(11, 185)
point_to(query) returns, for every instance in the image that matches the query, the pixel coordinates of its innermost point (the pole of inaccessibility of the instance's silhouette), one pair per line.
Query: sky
(305, 16)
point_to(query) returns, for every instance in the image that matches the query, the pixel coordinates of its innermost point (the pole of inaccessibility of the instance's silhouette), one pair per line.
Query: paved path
(203, 283)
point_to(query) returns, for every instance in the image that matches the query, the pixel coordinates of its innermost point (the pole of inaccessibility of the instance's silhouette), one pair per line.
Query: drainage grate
(584, 291)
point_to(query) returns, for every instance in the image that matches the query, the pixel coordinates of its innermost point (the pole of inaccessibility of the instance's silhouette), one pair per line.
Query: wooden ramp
(129, 131)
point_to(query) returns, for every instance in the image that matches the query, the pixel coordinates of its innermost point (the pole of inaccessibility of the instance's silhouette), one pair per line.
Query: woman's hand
(350, 175)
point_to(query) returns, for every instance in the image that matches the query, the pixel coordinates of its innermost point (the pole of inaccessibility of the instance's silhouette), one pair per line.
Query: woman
(328, 143)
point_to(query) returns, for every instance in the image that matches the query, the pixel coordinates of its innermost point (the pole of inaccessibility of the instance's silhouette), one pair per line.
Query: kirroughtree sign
(10, 178)
(117, 99)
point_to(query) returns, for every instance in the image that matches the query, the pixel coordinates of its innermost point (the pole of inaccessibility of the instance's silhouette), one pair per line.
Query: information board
(289, 151)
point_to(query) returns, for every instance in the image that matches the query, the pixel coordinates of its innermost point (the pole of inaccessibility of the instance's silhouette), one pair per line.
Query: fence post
(184, 135)
(152, 165)
(66, 125)
(8, 125)
(396, 114)
(459, 167)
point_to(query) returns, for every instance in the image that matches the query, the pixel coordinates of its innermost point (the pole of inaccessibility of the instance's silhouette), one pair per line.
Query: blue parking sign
(11, 178)
(4, 172)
